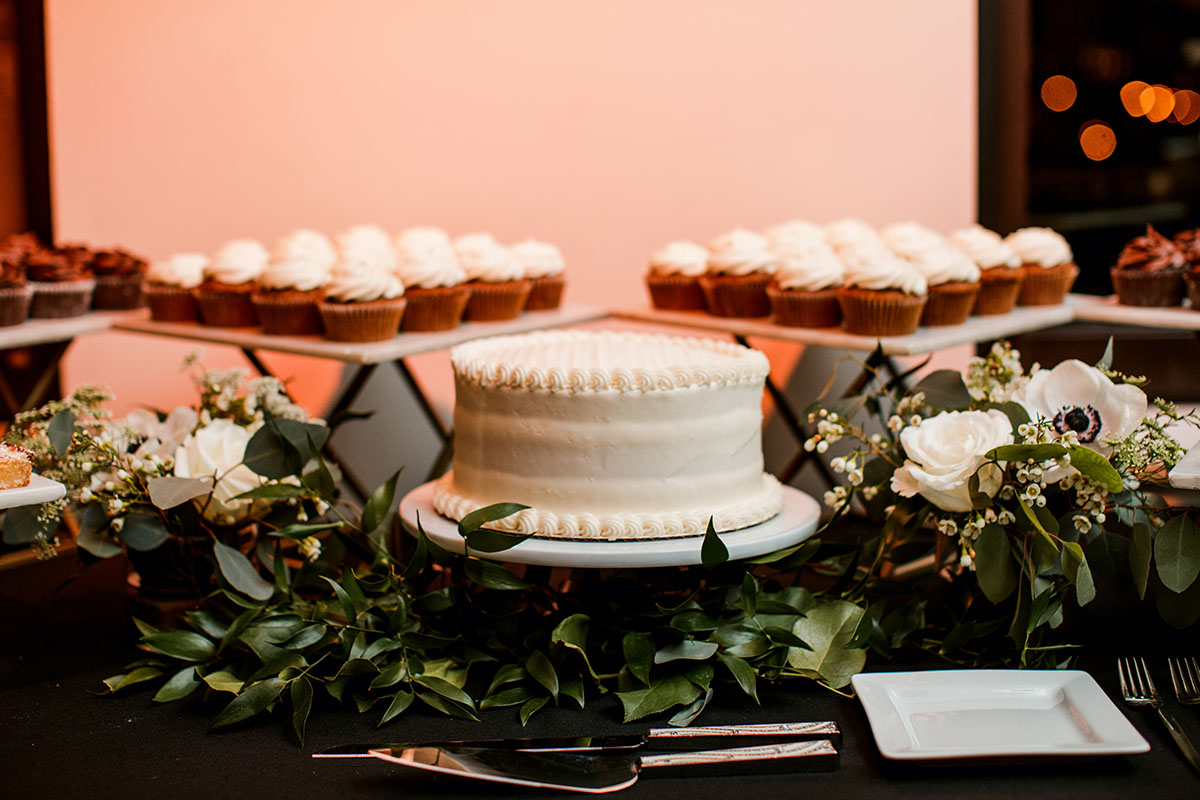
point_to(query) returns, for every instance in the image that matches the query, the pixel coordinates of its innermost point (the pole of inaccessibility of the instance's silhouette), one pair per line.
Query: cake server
(700, 737)
(610, 771)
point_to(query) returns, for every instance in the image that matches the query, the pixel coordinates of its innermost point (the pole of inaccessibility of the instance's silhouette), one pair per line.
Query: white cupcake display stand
(796, 522)
(39, 490)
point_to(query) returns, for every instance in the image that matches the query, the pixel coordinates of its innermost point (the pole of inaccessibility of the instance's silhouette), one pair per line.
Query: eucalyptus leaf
(446, 706)
(713, 551)
(168, 491)
(143, 532)
(689, 649)
(828, 628)
(994, 566)
(60, 431)
(1025, 452)
(379, 504)
(572, 633)
(493, 576)
(446, 689)
(509, 673)
(400, 702)
(541, 670)
(1096, 467)
(482, 516)
(303, 531)
(123, 681)
(21, 526)
(241, 574)
(348, 607)
(944, 390)
(488, 541)
(94, 533)
(513, 696)
(178, 686)
(1141, 550)
(301, 693)
(531, 707)
(251, 701)
(1076, 567)
(1177, 553)
(674, 690)
(638, 649)
(687, 716)
(223, 681)
(742, 672)
(183, 645)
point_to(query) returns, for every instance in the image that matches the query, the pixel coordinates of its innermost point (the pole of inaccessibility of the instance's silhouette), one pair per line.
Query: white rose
(1079, 398)
(945, 451)
(216, 451)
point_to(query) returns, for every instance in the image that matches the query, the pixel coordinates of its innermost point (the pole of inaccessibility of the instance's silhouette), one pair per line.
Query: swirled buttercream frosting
(930, 254)
(1041, 247)
(794, 231)
(873, 266)
(425, 258)
(183, 270)
(238, 261)
(359, 278)
(485, 259)
(808, 265)
(679, 258)
(303, 260)
(1151, 252)
(741, 252)
(985, 247)
(609, 435)
(538, 259)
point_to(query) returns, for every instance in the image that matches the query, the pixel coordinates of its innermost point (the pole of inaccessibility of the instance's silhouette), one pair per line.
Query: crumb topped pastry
(16, 466)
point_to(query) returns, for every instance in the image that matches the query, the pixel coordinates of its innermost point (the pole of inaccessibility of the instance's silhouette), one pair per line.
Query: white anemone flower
(1076, 397)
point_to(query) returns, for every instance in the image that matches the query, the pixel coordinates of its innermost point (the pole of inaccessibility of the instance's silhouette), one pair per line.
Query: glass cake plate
(993, 713)
(39, 490)
(796, 522)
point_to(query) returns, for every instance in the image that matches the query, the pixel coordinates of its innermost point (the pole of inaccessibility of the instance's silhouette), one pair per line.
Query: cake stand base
(39, 490)
(795, 523)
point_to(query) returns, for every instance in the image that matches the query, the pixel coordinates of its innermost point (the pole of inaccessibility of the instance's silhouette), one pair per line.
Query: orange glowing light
(1058, 92)
(1187, 106)
(1098, 141)
(1157, 101)
(1131, 97)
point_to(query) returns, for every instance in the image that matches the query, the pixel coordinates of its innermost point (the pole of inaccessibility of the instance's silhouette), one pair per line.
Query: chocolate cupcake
(1149, 272)
(1188, 243)
(15, 294)
(119, 276)
(61, 282)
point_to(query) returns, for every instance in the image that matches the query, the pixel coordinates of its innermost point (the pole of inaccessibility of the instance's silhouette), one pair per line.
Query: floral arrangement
(1034, 481)
(180, 492)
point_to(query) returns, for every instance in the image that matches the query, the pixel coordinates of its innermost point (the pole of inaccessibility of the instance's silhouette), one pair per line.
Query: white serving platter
(795, 523)
(990, 713)
(39, 490)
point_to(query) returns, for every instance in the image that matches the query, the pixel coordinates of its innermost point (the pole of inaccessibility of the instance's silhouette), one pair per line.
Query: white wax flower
(944, 451)
(216, 451)
(1076, 397)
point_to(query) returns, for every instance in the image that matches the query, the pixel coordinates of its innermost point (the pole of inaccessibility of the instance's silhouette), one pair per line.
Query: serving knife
(613, 770)
(700, 737)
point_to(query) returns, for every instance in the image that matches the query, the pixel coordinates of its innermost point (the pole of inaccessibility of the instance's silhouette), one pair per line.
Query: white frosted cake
(609, 435)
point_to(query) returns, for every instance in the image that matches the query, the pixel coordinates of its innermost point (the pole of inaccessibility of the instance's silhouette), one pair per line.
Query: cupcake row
(1153, 270)
(871, 282)
(42, 282)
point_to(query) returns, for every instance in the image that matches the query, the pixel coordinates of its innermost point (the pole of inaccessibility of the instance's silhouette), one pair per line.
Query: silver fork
(1185, 677)
(1137, 687)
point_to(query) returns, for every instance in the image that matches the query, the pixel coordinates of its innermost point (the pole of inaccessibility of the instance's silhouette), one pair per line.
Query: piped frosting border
(477, 362)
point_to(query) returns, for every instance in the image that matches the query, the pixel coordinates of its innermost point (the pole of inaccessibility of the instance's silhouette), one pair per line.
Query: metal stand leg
(442, 462)
(52, 354)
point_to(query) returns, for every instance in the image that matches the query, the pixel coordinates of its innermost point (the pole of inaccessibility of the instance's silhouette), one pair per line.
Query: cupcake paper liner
(60, 300)
(949, 303)
(494, 302)
(14, 305)
(171, 303)
(675, 292)
(373, 321)
(999, 288)
(437, 309)
(736, 295)
(796, 308)
(288, 313)
(1046, 286)
(118, 292)
(1158, 288)
(1192, 281)
(879, 313)
(225, 308)
(546, 293)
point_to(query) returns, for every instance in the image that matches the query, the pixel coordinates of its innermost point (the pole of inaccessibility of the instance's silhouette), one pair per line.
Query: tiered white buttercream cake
(609, 435)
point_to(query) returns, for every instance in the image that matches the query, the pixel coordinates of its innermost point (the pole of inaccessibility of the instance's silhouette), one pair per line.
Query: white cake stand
(795, 523)
(39, 490)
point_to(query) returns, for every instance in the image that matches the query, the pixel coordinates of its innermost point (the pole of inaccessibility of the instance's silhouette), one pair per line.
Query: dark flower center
(1084, 420)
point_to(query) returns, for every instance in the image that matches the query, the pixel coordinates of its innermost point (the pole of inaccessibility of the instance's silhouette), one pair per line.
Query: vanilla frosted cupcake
(805, 290)
(850, 233)
(294, 282)
(499, 287)
(433, 280)
(882, 294)
(740, 266)
(543, 265)
(1000, 275)
(230, 280)
(952, 278)
(364, 300)
(794, 232)
(1047, 263)
(169, 285)
(674, 276)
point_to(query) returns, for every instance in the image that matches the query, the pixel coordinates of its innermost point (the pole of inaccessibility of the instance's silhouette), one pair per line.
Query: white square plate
(39, 490)
(981, 713)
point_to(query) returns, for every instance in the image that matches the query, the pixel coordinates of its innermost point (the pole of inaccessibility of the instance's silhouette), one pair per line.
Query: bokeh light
(1131, 97)
(1058, 92)
(1097, 140)
(1157, 102)
(1187, 107)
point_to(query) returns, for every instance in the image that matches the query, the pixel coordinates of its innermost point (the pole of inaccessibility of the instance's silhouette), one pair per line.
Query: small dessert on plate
(542, 264)
(674, 276)
(16, 466)
(15, 294)
(231, 278)
(1000, 274)
(740, 266)
(170, 284)
(1149, 272)
(118, 277)
(951, 277)
(61, 281)
(804, 293)
(498, 284)
(1047, 263)
(292, 285)
(434, 282)
(1188, 243)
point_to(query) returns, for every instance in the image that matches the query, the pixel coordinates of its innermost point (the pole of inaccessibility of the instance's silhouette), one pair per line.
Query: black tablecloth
(59, 740)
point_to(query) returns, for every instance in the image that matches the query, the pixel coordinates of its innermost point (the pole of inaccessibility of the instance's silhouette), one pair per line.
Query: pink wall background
(606, 126)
